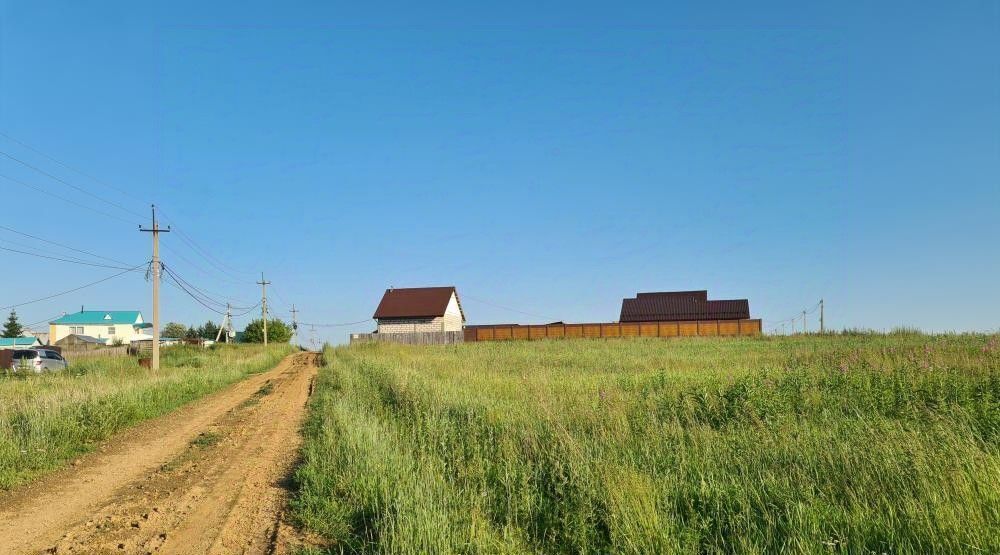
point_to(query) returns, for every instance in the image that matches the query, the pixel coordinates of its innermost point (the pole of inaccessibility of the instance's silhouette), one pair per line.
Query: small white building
(108, 325)
(420, 309)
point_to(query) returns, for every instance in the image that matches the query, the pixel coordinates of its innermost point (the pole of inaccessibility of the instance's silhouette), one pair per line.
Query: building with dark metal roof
(419, 309)
(671, 306)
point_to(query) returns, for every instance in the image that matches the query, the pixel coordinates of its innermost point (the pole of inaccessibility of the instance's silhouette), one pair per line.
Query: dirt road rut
(209, 478)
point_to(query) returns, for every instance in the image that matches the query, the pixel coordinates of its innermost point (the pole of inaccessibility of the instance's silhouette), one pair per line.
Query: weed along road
(208, 478)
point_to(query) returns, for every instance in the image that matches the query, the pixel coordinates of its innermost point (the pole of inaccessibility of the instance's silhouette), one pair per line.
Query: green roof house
(108, 325)
(19, 342)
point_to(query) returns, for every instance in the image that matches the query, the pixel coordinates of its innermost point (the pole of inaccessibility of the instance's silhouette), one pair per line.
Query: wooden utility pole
(155, 271)
(804, 328)
(295, 324)
(821, 327)
(263, 302)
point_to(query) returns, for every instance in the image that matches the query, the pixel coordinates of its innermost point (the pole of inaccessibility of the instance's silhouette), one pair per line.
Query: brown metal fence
(702, 328)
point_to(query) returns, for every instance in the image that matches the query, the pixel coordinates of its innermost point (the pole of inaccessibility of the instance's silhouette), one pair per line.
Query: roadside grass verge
(857, 443)
(48, 419)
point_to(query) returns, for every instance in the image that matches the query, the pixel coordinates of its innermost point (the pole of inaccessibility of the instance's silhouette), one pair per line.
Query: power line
(248, 311)
(200, 268)
(336, 325)
(72, 290)
(95, 264)
(204, 294)
(488, 303)
(68, 184)
(64, 199)
(205, 253)
(176, 283)
(36, 250)
(67, 166)
(214, 261)
(45, 321)
(199, 295)
(773, 324)
(30, 236)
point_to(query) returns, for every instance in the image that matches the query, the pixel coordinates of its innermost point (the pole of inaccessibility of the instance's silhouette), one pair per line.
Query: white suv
(38, 360)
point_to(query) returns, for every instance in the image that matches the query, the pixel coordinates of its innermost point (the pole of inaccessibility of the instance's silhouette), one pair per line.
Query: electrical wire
(206, 294)
(45, 321)
(177, 284)
(67, 166)
(30, 236)
(95, 264)
(335, 325)
(72, 290)
(70, 201)
(215, 262)
(251, 309)
(199, 268)
(488, 303)
(202, 290)
(203, 253)
(198, 296)
(36, 250)
(68, 184)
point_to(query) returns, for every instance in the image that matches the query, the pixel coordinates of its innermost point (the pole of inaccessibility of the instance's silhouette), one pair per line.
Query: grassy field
(850, 443)
(48, 419)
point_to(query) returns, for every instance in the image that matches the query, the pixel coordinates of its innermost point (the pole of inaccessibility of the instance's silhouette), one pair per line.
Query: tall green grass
(853, 443)
(47, 419)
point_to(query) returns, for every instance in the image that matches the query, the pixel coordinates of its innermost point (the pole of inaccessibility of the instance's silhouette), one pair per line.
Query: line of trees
(208, 330)
(277, 331)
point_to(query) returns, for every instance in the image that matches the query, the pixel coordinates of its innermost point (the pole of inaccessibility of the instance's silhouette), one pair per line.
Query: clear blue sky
(546, 157)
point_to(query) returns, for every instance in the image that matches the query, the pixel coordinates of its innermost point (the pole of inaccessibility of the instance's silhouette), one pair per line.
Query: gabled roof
(86, 338)
(668, 306)
(18, 341)
(108, 317)
(416, 302)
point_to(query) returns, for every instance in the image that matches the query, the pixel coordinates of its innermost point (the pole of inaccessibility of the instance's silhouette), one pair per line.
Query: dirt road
(209, 478)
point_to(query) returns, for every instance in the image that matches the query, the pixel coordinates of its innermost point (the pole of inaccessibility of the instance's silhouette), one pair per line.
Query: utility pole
(155, 267)
(263, 302)
(821, 327)
(295, 324)
(804, 328)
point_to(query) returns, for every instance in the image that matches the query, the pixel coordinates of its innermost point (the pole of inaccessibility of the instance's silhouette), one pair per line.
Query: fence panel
(629, 330)
(669, 329)
(687, 329)
(708, 328)
(536, 332)
(729, 328)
